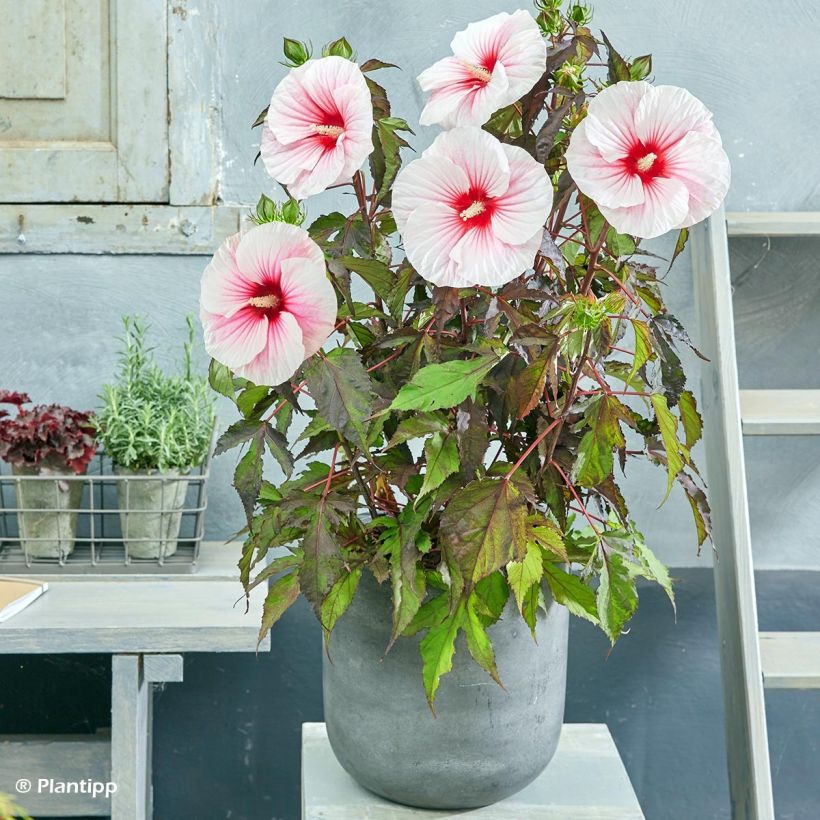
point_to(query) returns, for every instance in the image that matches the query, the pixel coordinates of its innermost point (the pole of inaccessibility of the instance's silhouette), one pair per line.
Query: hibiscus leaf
(444, 385)
(237, 433)
(692, 421)
(490, 597)
(478, 642)
(668, 426)
(375, 273)
(407, 578)
(441, 455)
(418, 426)
(322, 564)
(595, 452)
(432, 613)
(339, 599)
(643, 346)
(472, 430)
(281, 594)
(527, 387)
(279, 449)
(680, 244)
(247, 477)
(483, 528)
(375, 65)
(617, 597)
(343, 393)
(570, 591)
(221, 379)
(523, 574)
(437, 648)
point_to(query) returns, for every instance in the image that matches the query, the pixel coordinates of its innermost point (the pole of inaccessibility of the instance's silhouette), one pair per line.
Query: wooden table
(146, 623)
(586, 780)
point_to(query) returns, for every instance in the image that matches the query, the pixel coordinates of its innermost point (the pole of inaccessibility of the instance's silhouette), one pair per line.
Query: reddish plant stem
(539, 438)
(571, 487)
(331, 470)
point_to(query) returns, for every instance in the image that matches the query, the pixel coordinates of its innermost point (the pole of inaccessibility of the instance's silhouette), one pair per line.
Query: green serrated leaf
(238, 433)
(380, 278)
(595, 452)
(247, 477)
(570, 591)
(279, 449)
(418, 426)
(281, 594)
(483, 528)
(221, 379)
(342, 390)
(437, 648)
(441, 457)
(691, 418)
(617, 598)
(444, 385)
(432, 613)
(478, 642)
(523, 574)
(668, 425)
(322, 564)
(643, 346)
(339, 599)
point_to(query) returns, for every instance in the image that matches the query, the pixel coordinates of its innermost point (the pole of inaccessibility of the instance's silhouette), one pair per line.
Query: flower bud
(296, 52)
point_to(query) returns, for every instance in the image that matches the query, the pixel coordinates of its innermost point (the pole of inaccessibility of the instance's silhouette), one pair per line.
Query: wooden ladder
(750, 660)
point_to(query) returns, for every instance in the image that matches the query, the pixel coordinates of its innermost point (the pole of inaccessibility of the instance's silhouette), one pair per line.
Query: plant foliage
(151, 420)
(465, 445)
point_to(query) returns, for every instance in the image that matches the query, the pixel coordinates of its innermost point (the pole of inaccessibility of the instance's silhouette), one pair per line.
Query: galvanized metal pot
(150, 514)
(485, 744)
(48, 518)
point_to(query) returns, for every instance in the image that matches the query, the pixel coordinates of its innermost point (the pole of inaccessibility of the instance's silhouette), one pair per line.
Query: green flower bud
(338, 48)
(269, 211)
(296, 52)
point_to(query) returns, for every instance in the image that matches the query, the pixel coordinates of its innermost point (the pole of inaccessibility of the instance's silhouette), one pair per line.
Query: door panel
(83, 100)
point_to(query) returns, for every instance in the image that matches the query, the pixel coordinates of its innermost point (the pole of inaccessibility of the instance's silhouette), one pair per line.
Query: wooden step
(790, 660)
(795, 223)
(780, 412)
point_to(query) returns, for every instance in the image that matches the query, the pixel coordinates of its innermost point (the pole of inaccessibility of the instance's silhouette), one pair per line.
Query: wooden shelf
(790, 660)
(795, 223)
(780, 412)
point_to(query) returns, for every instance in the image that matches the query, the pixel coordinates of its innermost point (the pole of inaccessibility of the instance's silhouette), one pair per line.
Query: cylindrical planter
(150, 514)
(486, 742)
(48, 511)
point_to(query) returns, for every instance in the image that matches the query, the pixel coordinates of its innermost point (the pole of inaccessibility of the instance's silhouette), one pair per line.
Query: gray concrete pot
(48, 520)
(485, 744)
(148, 512)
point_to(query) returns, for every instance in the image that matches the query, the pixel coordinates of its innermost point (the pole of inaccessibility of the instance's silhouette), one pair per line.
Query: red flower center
(267, 299)
(330, 128)
(645, 160)
(474, 208)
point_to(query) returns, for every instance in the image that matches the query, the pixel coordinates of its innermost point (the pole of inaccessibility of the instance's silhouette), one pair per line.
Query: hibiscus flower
(650, 158)
(266, 303)
(317, 132)
(495, 62)
(471, 210)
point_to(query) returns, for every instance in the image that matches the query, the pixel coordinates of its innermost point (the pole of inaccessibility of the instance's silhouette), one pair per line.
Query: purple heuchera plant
(47, 435)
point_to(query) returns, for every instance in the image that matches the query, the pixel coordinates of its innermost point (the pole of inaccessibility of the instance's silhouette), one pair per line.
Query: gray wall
(753, 63)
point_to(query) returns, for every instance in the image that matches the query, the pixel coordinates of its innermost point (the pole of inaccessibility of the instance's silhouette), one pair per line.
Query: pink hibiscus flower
(318, 129)
(266, 303)
(650, 158)
(495, 62)
(471, 210)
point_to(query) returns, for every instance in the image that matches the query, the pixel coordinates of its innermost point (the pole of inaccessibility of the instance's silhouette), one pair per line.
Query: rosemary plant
(151, 420)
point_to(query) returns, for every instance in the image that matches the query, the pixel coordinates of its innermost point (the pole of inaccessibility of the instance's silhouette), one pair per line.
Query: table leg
(131, 706)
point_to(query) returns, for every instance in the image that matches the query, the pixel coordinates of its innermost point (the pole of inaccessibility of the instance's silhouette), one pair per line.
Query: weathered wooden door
(83, 101)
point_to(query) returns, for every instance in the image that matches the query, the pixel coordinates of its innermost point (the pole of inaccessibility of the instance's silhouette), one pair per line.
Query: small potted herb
(155, 428)
(46, 440)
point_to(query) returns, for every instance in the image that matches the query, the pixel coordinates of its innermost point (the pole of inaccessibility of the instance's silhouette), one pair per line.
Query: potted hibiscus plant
(155, 427)
(479, 348)
(47, 446)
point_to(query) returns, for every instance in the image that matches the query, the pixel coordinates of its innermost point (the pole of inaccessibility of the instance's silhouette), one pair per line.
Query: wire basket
(107, 520)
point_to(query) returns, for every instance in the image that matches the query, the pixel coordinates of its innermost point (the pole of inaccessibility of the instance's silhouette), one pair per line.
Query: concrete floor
(226, 741)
